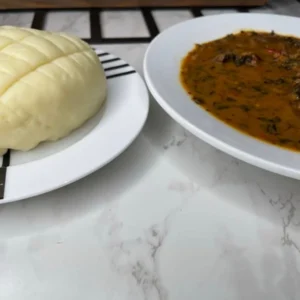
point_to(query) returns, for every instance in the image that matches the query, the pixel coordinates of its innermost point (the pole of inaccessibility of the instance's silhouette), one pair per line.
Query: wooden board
(30, 4)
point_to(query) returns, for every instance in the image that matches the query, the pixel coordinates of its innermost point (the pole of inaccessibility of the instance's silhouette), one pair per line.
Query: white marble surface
(167, 18)
(170, 219)
(23, 19)
(124, 24)
(73, 22)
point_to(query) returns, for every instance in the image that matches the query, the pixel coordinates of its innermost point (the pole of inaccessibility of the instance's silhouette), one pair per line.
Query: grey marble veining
(123, 24)
(22, 19)
(74, 22)
(167, 18)
(171, 218)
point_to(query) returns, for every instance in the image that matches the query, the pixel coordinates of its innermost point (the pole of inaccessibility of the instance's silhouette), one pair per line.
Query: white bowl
(161, 70)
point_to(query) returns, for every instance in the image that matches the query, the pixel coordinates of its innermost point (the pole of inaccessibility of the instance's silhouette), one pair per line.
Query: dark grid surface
(39, 21)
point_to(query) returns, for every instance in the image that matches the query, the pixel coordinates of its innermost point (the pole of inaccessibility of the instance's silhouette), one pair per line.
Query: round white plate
(161, 70)
(96, 143)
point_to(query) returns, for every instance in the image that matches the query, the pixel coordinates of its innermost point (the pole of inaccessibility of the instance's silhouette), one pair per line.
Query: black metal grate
(96, 23)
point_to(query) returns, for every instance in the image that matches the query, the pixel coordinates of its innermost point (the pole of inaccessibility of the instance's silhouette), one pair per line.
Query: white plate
(161, 70)
(101, 139)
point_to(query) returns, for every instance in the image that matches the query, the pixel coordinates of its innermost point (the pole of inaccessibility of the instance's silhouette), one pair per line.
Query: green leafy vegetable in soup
(251, 81)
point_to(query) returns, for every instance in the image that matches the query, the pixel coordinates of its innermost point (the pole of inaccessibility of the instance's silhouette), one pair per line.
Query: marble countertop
(171, 218)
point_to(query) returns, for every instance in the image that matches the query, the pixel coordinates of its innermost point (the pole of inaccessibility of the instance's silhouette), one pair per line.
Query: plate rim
(212, 140)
